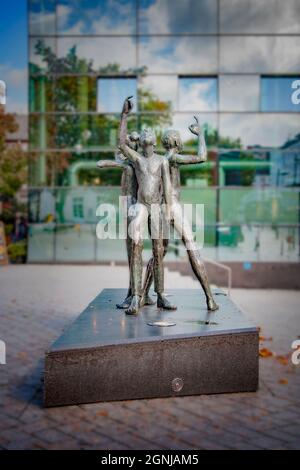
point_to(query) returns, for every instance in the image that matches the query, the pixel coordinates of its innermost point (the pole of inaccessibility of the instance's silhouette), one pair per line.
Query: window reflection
(189, 54)
(264, 130)
(41, 52)
(276, 94)
(197, 94)
(42, 16)
(41, 94)
(109, 55)
(112, 92)
(96, 16)
(41, 242)
(265, 147)
(255, 16)
(75, 93)
(157, 93)
(239, 92)
(178, 16)
(260, 54)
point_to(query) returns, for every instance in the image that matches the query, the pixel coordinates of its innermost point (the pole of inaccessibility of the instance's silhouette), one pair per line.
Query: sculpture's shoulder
(161, 159)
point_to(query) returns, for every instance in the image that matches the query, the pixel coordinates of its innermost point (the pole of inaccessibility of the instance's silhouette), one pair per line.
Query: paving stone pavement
(38, 302)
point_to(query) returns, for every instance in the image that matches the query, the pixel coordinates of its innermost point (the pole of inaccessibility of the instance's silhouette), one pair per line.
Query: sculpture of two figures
(151, 185)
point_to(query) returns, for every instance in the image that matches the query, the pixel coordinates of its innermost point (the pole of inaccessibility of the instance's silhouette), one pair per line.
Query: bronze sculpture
(144, 175)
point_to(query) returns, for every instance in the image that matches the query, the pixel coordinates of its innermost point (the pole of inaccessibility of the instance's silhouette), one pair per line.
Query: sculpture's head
(133, 140)
(171, 140)
(147, 137)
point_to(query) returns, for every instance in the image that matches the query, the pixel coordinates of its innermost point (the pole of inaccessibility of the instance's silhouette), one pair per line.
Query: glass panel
(75, 94)
(197, 94)
(42, 56)
(239, 92)
(75, 242)
(41, 16)
(45, 167)
(264, 147)
(189, 54)
(112, 92)
(208, 123)
(259, 205)
(79, 204)
(208, 197)
(97, 132)
(112, 250)
(178, 16)
(157, 93)
(272, 130)
(106, 55)
(255, 16)
(41, 242)
(42, 131)
(96, 16)
(238, 243)
(42, 205)
(276, 94)
(279, 244)
(259, 54)
(41, 91)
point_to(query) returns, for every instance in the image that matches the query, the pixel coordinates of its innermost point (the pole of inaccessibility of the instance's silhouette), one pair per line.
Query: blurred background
(234, 64)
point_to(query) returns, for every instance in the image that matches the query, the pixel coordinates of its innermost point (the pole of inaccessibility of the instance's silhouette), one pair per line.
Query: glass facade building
(234, 64)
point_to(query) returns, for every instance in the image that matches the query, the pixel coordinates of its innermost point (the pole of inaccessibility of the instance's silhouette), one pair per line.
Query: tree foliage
(13, 161)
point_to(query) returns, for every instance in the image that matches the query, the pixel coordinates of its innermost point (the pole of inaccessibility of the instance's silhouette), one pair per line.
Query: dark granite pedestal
(106, 355)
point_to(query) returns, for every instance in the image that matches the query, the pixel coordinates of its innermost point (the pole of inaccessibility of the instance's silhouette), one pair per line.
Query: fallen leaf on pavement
(265, 352)
(283, 381)
(284, 360)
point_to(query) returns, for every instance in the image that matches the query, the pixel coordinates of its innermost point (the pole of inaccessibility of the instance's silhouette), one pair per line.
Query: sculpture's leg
(127, 187)
(146, 299)
(126, 302)
(158, 273)
(182, 226)
(138, 220)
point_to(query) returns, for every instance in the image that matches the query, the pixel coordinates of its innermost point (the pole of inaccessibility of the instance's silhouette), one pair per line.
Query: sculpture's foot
(162, 302)
(146, 300)
(211, 305)
(134, 306)
(125, 304)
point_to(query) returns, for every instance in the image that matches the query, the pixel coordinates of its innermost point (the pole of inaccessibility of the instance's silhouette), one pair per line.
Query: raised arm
(102, 164)
(129, 153)
(127, 107)
(202, 152)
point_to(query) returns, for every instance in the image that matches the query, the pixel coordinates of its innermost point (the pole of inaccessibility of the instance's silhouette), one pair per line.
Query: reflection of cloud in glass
(276, 94)
(257, 16)
(112, 92)
(239, 92)
(259, 54)
(163, 87)
(267, 130)
(178, 16)
(42, 17)
(96, 16)
(179, 55)
(103, 51)
(197, 94)
(181, 123)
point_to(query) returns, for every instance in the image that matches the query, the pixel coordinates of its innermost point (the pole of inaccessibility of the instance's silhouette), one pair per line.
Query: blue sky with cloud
(13, 53)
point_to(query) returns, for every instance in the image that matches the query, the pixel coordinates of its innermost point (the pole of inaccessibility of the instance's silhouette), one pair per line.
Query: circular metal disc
(161, 323)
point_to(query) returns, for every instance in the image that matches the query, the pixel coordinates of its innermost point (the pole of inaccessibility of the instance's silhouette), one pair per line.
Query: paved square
(38, 302)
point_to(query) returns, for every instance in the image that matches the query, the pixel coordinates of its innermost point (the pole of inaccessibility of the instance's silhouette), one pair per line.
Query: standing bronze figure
(149, 180)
